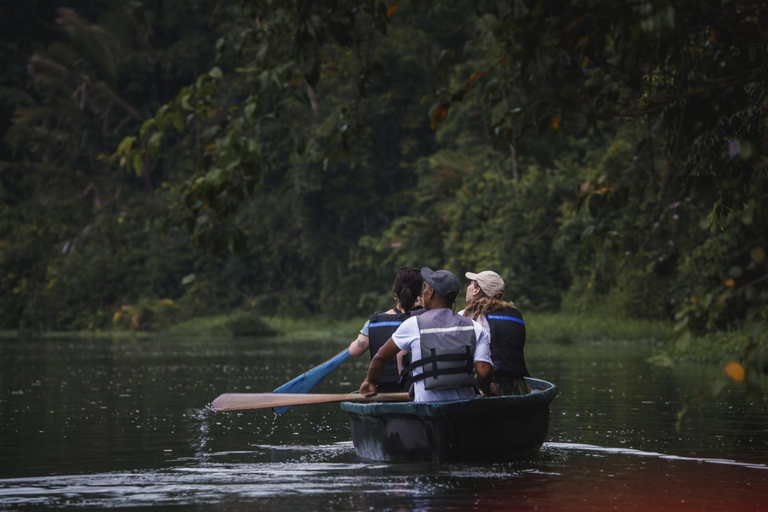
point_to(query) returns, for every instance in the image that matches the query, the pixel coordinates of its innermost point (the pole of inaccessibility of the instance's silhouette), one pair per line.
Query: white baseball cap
(489, 282)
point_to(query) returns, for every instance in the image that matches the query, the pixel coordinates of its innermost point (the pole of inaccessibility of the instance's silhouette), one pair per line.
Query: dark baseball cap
(445, 283)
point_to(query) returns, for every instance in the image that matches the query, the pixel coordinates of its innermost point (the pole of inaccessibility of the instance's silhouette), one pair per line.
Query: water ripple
(640, 453)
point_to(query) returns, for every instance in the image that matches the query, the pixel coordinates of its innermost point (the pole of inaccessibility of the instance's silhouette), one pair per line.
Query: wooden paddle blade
(247, 401)
(305, 382)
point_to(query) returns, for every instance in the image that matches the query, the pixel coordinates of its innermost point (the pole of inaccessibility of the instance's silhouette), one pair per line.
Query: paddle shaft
(247, 401)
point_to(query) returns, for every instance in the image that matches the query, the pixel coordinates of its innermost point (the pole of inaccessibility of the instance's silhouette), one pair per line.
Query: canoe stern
(478, 430)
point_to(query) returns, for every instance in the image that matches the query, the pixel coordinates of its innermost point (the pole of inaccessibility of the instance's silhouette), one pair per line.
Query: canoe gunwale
(544, 393)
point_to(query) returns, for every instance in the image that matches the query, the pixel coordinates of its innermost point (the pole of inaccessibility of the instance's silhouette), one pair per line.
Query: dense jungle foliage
(164, 160)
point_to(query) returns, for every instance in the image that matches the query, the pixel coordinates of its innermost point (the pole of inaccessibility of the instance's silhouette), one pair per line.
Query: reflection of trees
(622, 401)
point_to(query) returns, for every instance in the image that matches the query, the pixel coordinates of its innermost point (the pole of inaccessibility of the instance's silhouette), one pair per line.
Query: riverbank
(557, 328)
(565, 327)
(293, 328)
(542, 328)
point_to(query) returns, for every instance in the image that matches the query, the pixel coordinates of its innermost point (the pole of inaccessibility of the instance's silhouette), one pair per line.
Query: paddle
(306, 381)
(246, 401)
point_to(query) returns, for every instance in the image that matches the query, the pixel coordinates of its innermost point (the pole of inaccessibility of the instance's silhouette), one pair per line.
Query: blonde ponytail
(485, 304)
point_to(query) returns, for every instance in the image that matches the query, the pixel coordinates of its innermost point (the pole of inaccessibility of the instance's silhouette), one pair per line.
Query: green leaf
(234, 163)
(154, 143)
(185, 101)
(210, 132)
(178, 121)
(214, 176)
(148, 124)
(216, 73)
(138, 162)
(125, 146)
(249, 110)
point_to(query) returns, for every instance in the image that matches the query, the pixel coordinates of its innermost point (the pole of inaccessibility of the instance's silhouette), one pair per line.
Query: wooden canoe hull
(496, 429)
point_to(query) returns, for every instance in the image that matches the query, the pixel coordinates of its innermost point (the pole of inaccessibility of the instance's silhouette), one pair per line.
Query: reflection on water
(563, 476)
(89, 423)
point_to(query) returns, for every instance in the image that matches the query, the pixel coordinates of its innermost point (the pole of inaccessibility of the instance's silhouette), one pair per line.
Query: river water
(124, 423)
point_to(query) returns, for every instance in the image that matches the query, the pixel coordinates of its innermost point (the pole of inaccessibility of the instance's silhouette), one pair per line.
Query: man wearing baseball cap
(446, 348)
(506, 327)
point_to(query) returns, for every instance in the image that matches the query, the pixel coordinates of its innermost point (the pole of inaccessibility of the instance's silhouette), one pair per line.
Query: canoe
(483, 429)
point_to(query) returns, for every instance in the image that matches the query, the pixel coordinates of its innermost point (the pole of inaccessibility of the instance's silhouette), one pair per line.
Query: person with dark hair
(506, 327)
(406, 292)
(447, 349)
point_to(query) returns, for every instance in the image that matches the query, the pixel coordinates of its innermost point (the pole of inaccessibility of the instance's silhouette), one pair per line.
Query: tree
(60, 196)
(537, 71)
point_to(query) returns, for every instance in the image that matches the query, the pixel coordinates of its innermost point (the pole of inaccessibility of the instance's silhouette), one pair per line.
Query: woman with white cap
(506, 326)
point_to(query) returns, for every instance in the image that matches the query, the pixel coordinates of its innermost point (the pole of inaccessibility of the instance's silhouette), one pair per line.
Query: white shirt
(481, 320)
(407, 337)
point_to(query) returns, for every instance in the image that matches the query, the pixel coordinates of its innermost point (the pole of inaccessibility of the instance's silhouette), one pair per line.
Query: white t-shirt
(407, 337)
(481, 320)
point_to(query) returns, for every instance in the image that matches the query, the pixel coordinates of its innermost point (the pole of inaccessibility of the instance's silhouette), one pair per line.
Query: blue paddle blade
(306, 381)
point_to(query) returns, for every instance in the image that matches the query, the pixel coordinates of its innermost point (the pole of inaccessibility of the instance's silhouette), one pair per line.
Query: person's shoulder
(476, 324)
(383, 315)
(480, 330)
(509, 308)
(407, 327)
(406, 333)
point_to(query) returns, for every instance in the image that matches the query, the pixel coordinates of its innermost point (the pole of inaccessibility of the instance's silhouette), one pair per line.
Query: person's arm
(382, 357)
(361, 343)
(359, 346)
(483, 363)
(484, 377)
(400, 356)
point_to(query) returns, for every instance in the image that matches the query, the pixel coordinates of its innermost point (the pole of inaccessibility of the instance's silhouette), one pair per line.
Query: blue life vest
(381, 326)
(507, 343)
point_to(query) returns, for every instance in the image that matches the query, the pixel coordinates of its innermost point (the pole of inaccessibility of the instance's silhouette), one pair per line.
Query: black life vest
(381, 326)
(507, 342)
(447, 342)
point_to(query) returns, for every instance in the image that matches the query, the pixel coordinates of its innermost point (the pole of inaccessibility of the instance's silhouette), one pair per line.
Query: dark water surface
(94, 424)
